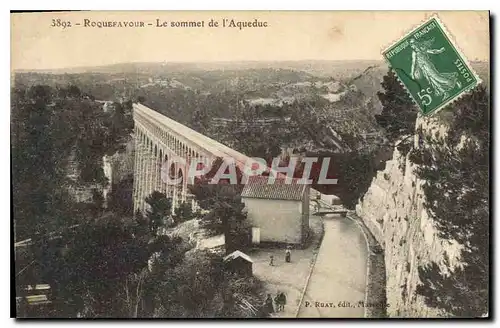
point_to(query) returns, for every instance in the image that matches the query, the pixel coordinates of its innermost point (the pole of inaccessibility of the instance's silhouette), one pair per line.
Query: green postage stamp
(430, 66)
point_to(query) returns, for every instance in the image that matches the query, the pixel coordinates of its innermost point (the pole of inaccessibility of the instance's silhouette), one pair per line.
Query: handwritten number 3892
(60, 23)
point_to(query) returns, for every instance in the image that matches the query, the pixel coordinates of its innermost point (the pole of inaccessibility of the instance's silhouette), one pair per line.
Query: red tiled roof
(262, 187)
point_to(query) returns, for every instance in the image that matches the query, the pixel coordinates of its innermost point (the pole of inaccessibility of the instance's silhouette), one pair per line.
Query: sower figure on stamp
(431, 67)
(423, 68)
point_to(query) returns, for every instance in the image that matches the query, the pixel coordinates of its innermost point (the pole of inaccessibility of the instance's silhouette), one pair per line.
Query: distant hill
(338, 69)
(323, 68)
(369, 82)
(254, 79)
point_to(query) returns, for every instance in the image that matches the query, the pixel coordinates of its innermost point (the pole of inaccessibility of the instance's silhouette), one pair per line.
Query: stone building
(278, 212)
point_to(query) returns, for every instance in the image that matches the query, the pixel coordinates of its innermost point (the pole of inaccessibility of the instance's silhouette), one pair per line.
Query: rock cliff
(393, 209)
(121, 164)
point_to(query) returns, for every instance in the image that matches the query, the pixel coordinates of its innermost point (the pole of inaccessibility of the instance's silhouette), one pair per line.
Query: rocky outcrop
(393, 209)
(121, 164)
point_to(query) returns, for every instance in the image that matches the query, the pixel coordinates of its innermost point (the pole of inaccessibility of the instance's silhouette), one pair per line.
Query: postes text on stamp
(430, 66)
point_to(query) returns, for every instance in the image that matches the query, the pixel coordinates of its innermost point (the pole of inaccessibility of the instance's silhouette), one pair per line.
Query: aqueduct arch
(159, 138)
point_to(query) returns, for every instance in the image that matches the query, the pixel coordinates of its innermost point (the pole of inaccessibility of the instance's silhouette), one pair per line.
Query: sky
(290, 35)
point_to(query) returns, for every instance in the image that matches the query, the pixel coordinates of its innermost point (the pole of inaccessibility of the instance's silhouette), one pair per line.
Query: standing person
(277, 301)
(288, 255)
(268, 305)
(282, 301)
(271, 260)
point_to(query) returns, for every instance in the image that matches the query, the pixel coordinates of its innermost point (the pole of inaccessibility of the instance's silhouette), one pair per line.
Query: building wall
(278, 220)
(331, 199)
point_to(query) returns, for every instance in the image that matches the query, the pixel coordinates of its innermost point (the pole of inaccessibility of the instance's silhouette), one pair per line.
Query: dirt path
(338, 281)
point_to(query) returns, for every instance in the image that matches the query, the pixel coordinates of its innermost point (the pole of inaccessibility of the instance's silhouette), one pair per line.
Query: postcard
(250, 164)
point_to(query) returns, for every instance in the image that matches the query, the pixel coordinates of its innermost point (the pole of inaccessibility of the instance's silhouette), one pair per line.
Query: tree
(226, 210)
(226, 214)
(74, 92)
(159, 211)
(200, 288)
(189, 289)
(399, 113)
(133, 289)
(87, 265)
(183, 212)
(356, 172)
(53, 127)
(120, 199)
(40, 149)
(141, 227)
(166, 254)
(100, 269)
(97, 202)
(201, 119)
(119, 125)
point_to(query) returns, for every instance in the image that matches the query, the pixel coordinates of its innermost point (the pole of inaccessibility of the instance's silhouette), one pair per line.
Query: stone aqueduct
(157, 139)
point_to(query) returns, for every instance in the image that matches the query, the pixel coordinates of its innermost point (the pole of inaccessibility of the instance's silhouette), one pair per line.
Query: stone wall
(393, 209)
(280, 221)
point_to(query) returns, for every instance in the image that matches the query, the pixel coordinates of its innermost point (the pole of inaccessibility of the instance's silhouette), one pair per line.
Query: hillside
(193, 93)
(321, 68)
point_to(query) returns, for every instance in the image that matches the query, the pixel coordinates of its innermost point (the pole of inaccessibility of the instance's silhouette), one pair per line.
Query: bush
(404, 145)
(357, 172)
(200, 288)
(183, 213)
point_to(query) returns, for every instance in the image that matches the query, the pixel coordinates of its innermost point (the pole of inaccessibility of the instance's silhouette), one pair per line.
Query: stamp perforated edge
(453, 42)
